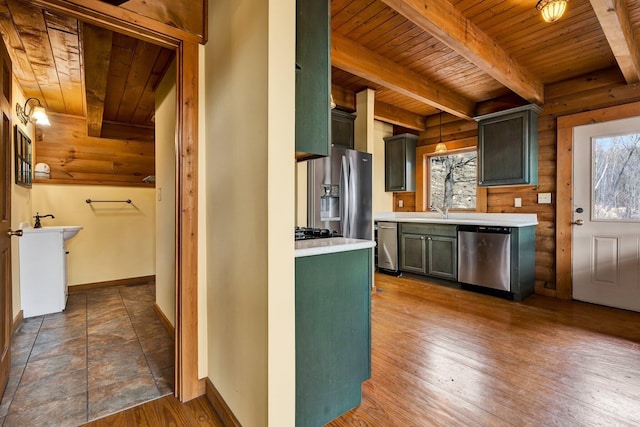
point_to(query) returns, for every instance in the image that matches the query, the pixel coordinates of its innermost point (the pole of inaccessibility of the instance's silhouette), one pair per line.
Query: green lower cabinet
(333, 334)
(429, 250)
(442, 257)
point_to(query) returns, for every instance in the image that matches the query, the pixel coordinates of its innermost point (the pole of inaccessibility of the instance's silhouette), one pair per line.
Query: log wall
(589, 92)
(76, 158)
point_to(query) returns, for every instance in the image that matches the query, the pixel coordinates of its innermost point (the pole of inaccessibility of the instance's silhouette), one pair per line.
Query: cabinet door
(400, 163)
(413, 253)
(508, 149)
(313, 78)
(342, 129)
(442, 254)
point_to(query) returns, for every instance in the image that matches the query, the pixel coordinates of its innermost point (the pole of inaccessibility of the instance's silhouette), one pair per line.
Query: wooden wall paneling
(73, 155)
(408, 201)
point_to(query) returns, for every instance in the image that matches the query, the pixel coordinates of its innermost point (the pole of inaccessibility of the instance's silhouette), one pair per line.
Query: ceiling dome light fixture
(552, 10)
(32, 112)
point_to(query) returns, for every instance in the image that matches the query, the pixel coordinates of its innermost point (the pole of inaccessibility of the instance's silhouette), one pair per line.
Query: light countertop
(330, 245)
(458, 218)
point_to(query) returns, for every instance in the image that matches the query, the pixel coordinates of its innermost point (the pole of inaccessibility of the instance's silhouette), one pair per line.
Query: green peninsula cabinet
(333, 334)
(313, 78)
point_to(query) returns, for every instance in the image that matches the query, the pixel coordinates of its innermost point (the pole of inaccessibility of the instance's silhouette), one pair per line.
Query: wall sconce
(32, 112)
(441, 147)
(552, 10)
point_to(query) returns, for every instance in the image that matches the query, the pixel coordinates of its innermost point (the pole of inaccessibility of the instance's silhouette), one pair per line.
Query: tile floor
(106, 352)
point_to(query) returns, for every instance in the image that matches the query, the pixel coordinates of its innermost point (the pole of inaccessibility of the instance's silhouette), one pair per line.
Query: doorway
(606, 213)
(564, 186)
(185, 45)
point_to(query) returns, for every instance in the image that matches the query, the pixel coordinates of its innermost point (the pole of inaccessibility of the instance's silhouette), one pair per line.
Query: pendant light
(441, 147)
(552, 10)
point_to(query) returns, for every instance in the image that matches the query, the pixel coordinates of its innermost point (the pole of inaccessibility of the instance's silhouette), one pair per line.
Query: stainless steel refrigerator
(339, 193)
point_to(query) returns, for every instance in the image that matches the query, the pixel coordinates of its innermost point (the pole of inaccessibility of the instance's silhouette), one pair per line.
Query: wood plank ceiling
(460, 53)
(421, 56)
(81, 70)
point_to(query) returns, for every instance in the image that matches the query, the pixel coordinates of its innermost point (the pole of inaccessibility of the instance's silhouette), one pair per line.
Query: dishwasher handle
(484, 229)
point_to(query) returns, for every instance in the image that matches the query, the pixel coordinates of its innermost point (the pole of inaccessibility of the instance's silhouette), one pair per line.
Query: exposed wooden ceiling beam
(356, 59)
(446, 23)
(397, 116)
(614, 20)
(97, 54)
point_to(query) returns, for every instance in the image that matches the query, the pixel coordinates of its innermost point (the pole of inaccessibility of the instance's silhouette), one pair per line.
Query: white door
(606, 213)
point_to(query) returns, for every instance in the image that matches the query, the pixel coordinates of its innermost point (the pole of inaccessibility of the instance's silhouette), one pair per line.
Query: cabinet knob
(14, 233)
(421, 237)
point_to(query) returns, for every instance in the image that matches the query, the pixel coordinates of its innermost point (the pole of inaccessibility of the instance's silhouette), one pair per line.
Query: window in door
(616, 178)
(453, 180)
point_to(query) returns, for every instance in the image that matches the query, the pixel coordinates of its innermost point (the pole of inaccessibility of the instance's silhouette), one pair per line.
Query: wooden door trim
(564, 185)
(121, 20)
(186, 45)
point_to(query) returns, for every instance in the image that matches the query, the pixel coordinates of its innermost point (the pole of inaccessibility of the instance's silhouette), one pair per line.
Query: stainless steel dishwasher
(388, 246)
(484, 256)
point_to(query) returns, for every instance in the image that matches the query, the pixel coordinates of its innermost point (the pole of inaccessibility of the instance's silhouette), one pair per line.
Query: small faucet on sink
(38, 216)
(445, 214)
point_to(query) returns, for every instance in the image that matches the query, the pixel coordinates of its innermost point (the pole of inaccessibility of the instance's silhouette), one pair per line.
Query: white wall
(118, 239)
(250, 194)
(382, 201)
(165, 121)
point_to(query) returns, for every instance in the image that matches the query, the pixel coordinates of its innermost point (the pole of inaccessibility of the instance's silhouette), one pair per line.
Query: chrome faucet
(38, 216)
(445, 214)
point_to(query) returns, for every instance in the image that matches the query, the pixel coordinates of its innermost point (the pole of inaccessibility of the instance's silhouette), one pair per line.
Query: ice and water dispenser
(330, 203)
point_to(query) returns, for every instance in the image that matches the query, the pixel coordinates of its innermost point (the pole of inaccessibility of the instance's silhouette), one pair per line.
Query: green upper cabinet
(400, 162)
(508, 147)
(342, 127)
(313, 78)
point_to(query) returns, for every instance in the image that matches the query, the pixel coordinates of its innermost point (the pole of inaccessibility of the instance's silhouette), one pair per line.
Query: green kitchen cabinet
(508, 147)
(313, 78)
(429, 249)
(333, 334)
(342, 127)
(400, 162)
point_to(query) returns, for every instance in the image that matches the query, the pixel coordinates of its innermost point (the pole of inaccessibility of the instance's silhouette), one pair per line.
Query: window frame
(428, 175)
(423, 158)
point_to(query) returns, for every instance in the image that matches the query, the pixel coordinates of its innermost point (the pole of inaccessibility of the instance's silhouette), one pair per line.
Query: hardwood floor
(447, 357)
(443, 356)
(166, 411)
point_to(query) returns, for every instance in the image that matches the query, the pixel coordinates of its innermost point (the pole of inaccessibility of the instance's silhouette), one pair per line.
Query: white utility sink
(68, 231)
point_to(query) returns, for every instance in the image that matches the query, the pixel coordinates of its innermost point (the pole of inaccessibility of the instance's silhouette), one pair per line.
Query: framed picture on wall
(24, 163)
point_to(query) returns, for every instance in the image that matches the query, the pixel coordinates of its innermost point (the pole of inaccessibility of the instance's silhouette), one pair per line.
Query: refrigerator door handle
(352, 196)
(344, 199)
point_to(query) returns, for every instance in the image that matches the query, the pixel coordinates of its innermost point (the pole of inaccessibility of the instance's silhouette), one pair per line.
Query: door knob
(578, 222)
(14, 233)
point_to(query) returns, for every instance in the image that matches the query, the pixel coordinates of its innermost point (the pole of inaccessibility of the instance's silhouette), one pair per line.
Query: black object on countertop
(305, 233)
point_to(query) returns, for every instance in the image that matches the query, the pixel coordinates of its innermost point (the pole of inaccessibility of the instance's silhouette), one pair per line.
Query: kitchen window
(452, 180)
